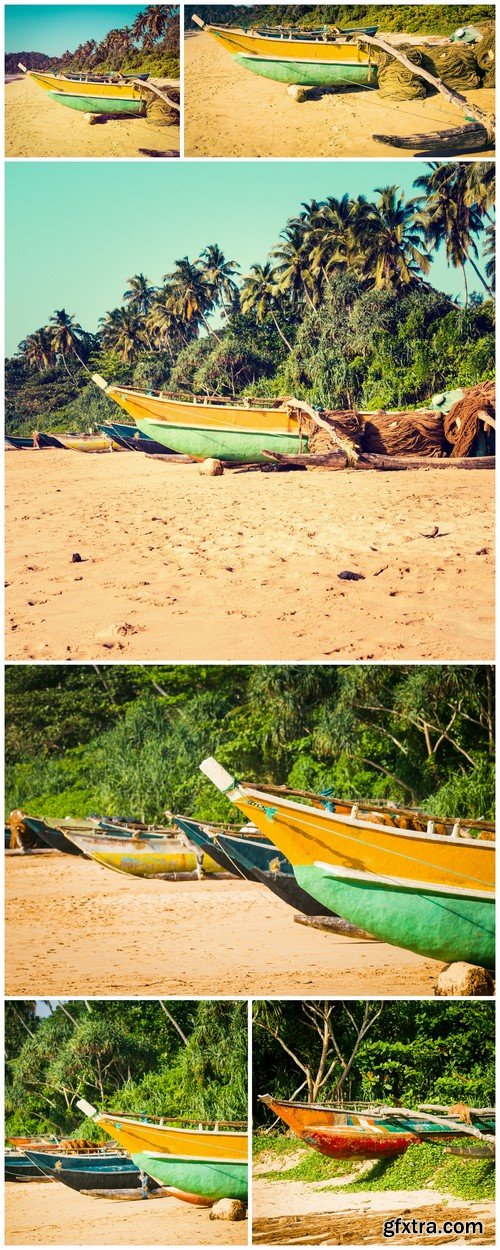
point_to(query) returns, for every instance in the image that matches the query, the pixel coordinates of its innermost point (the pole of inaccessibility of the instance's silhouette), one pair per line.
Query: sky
(76, 231)
(54, 28)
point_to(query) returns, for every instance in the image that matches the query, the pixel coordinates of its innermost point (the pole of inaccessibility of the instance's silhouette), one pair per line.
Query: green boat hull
(207, 1178)
(242, 446)
(447, 928)
(310, 73)
(90, 104)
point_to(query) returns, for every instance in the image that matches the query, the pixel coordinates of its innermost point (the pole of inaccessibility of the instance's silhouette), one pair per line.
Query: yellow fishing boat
(219, 427)
(87, 442)
(323, 57)
(197, 1162)
(92, 94)
(143, 857)
(423, 891)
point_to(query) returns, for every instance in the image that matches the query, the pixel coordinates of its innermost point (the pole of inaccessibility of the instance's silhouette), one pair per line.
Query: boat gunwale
(354, 822)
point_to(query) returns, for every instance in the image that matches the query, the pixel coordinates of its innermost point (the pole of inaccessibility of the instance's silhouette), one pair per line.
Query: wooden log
(334, 924)
(454, 97)
(155, 152)
(459, 140)
(367, 460)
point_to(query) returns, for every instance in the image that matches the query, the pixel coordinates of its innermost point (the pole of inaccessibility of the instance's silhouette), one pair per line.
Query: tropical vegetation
(424, 19)
(159, 1057)
(127, 740)
(342, 313)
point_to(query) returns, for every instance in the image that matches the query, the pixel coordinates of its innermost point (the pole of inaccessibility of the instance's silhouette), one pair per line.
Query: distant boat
(162, 857)
(92, 94)
(54, 832)
(425, 892)
(201, 427)
(44, 440)
(322, 57)
(17, 1167)
(90, 1173)
(196, 1164)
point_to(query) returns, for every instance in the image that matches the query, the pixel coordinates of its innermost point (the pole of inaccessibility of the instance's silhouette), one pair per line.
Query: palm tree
(293, 270)
(219, 275)
(164, 329)
(260, 294)
(65, 335)
(139, 294)
(489, 255)
(334, 236)
(121, 332)
(37, 350)
(152, 23)
(390, 236)
(479, 185)
(189, 295)
(448, 216)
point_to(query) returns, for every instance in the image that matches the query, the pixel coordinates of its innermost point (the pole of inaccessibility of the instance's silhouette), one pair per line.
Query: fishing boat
(92, 94)
(217, 427)
(132, 439)
(428, 1121)
(196, 1164)
(53, 835)
(95, 443)
(18, 1167)
(253, 857)
(144, 857)
(325, 57)
(425, 892)
(91, 1173)
(22, 444)
(362, 1141)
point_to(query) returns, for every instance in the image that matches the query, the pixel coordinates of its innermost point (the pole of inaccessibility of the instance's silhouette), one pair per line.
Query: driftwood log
(338, 460)
(459, 140)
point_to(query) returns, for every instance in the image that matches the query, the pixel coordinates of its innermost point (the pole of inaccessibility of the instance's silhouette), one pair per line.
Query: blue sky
(76, 231)
(54, 28)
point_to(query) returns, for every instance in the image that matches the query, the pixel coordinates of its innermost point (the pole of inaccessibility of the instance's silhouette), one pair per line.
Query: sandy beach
(177, 566)
(37, 126)
(231, 112)
(56, 1216)
(73, 926)
(294, 1213)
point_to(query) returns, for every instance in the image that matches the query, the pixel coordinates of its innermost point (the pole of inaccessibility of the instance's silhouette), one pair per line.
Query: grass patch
(423, 1166)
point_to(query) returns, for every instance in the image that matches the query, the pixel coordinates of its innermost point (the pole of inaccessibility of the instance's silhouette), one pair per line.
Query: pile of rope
(485, 55)
(464, 426)
(404, 434)
(456, 65)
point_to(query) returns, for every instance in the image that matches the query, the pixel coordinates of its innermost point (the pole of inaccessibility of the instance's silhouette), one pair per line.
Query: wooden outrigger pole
(480, 135)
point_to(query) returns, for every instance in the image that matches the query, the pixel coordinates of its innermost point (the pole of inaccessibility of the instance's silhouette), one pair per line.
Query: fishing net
(159, 111)
(347, 429)
(404, 434)
(485, 56)
(464, 425)
(455, 65)
(395, 82)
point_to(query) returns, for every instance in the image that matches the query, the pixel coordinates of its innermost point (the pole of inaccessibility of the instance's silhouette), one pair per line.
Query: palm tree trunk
(479, 275)
(464, 275)
(280, 332)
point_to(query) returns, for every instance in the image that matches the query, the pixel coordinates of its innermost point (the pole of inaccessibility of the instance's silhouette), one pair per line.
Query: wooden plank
(334, 924)
(460, 139)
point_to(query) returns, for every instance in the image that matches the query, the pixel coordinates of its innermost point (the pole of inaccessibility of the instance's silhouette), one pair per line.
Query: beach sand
(53, 1215)
(294, 1213)
(229, 111)
(37, 126)
(74, 927)
(178, 566)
